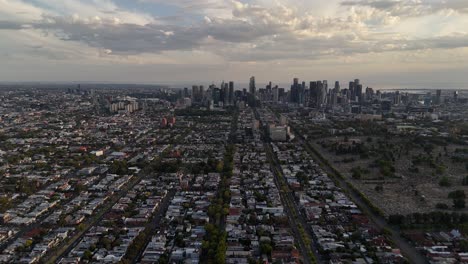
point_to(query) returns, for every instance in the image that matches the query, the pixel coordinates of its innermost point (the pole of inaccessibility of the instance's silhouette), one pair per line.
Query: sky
(385, 43)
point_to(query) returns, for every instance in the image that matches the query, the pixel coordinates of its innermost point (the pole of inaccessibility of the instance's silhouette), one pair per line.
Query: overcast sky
(385, 43)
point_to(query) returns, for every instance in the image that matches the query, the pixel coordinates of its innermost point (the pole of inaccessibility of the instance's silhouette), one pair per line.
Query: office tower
(397, 98)
(294, 93)
(455, 96)
(231, 93)
(438, 97)
(202, 92)
(333, 95)
(226, 94)
(357, 82)
(281, 94)
(337, 87)
(252, 88)
(369, 94)
(216, 95)
(302, 88)
(352, 90)
(359, 93)
(275, 92)
(313, 93)
(322, 94)
(186, 92)
(195, 93)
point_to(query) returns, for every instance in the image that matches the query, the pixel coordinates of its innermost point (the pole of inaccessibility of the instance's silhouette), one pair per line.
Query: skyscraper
(322, 93)
(226, 94)
(313, 92)
(359, 92)
(438, 98)
(252, 88)
(231, 93)
(352, 90)
(275, 92)
(337, 87)
(195, 93)
(295, 89)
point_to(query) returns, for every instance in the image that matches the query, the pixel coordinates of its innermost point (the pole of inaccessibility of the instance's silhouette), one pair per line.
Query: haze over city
(392, 44)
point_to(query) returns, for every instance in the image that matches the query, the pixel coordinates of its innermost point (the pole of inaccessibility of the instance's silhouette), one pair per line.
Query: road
(63, 250)
(410, 252)
(287, 198)
(155, 223)
(38, 223)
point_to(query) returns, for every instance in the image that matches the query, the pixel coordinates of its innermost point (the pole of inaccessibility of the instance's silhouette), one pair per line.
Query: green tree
(458, 203)
(445, 182)
(458, 194)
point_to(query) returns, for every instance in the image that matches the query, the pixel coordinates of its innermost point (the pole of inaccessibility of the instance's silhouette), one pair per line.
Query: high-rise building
(322, 94)
(252, 87)
(202, 93)
(313, 93)
(226, 94)
(275, 92)
(337, 87)
(438, 98)
(352, 90)
(294, 95)
(231, 93)
(397, 98)
(195, 93)
(359, 92)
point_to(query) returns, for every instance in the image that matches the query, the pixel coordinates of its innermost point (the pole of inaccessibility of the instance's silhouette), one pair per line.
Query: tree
(445, 182)
(87, 255)
(5, 204)
(463, 245)
(266, 248)
(442, 206)
(458, 194)
(458, 203)
(357, 174)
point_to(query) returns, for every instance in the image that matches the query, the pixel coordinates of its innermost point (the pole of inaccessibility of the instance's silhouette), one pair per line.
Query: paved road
(410, 252)
(63, 250)
(38, 223)
(155, 223)
(287, 198)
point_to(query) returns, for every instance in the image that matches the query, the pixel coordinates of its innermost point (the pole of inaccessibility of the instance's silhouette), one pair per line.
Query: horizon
(244, 85)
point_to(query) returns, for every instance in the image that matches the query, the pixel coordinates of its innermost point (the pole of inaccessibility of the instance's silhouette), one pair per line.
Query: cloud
(252, 31)
(411, 8)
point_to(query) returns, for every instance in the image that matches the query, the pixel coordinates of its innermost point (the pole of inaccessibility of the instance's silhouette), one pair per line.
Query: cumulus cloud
(411, 8)
(252, 32)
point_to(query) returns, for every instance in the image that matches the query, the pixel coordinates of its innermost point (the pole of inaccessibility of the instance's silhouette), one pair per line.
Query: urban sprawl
(224, 174)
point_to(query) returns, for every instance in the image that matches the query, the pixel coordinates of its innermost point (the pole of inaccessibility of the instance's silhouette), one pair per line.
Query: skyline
(390, 44)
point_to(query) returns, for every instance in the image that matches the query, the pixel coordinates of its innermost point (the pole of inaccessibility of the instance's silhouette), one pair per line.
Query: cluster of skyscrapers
(218, 96)
(317, 94)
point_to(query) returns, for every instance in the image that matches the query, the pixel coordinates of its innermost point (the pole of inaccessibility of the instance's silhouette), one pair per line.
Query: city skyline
(392, 44)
